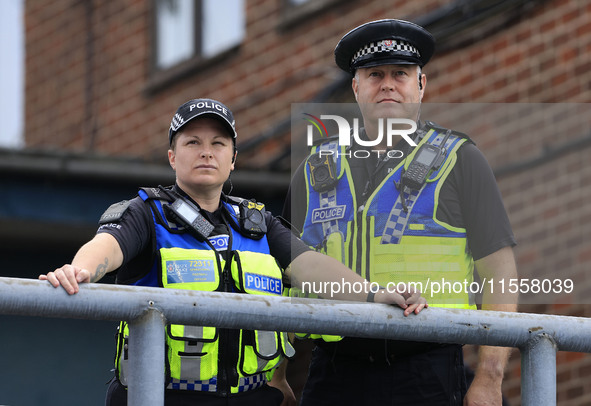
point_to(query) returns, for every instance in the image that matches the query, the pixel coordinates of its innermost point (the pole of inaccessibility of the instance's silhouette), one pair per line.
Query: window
(202, 29)
(11, 81)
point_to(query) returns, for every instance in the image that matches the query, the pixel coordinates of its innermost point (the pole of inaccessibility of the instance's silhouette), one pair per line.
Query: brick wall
(88, 69)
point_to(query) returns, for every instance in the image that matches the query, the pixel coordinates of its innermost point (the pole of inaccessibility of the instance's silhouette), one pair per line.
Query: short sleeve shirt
(135, 233)
(469, 197)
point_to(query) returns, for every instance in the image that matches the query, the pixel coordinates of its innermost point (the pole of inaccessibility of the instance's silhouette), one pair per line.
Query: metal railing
(538, 337)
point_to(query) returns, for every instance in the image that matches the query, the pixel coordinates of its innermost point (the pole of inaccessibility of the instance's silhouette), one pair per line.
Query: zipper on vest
(224, 344)
(367, 240)
(228, 359)
(223, 387)
(359, 239)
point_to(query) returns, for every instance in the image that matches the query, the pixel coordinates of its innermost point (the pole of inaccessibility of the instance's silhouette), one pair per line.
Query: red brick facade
(90, 88)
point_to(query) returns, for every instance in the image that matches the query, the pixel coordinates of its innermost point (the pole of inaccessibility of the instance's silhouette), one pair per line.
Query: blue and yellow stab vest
(384, 243)
(195, 359)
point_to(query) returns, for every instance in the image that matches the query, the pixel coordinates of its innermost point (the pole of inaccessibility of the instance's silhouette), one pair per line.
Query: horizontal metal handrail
(531, 333)
(28, 297)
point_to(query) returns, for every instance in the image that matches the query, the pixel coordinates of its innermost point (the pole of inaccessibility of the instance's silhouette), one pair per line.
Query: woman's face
(203, 155)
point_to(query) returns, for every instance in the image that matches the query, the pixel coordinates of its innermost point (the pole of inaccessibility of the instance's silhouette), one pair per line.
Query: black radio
(427, 159)
(189, 216)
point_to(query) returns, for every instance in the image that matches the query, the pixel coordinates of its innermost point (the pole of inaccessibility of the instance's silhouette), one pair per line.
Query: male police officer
(432, 215)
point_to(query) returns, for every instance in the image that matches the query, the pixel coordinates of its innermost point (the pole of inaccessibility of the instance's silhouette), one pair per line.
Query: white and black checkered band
(386, 45)
(177, 122)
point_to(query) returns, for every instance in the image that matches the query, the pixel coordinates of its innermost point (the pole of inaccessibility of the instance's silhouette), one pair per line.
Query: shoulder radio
(427, 159)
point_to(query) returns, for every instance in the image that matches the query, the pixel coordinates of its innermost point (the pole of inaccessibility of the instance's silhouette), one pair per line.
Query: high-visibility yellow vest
(205, 358)
(386, 244)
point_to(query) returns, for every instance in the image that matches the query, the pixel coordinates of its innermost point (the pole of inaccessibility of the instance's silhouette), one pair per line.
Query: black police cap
(198, 108)
(384, 42)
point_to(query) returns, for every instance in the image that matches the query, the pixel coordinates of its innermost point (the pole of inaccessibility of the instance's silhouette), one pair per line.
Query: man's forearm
(328, 275)
(492, 360)
(499, 265)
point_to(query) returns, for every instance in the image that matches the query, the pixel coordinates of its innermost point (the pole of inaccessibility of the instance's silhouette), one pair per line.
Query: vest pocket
(263, 350)
(192, 352)
(190, 269)
(286, 346)
(256, 273)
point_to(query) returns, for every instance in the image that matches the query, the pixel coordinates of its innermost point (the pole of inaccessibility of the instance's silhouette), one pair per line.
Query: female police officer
(192, 236)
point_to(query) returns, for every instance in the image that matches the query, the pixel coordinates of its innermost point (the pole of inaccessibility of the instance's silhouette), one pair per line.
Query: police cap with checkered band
(202, 108)
(384, 42)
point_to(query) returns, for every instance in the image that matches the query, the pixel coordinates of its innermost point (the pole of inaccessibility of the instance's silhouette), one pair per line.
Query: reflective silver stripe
(123, 366)
(266, 343)
(122, 352)
(288, 349)
(191, 365)
(195, 332)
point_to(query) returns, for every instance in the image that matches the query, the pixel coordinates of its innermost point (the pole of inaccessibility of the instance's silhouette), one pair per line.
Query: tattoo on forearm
(101, 270)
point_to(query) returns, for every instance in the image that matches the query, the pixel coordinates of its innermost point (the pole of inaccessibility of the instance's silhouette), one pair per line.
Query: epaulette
(114, 212)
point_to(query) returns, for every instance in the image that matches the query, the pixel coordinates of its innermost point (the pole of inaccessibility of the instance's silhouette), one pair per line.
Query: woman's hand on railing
(67, 276)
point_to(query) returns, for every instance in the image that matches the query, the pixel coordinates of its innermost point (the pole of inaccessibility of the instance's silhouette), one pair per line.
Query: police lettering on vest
(263, 283)
(219, 242)
(328, 214)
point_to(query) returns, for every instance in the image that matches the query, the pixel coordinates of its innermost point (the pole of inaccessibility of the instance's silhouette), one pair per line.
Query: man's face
(203, 154)
(389, 91)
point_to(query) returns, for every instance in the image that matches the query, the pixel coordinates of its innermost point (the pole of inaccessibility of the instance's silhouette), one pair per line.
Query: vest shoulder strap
(156, 198)
(234, 200)
(442, 130)
(156, 193)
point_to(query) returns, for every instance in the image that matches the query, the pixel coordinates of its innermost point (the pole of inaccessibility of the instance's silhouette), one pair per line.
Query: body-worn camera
(252, 215)
(322, 172)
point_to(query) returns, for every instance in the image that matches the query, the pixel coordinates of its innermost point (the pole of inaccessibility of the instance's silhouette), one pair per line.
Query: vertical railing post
(146, 360)
(538, 371)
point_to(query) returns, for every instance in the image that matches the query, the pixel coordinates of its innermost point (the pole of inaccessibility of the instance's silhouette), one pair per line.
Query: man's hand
(279, 381)
(410, 299)
(486, 387)
(68, 276)
(484, 392)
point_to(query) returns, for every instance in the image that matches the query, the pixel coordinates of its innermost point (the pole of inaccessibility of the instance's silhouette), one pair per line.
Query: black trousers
(263, 396)
(432, 378)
